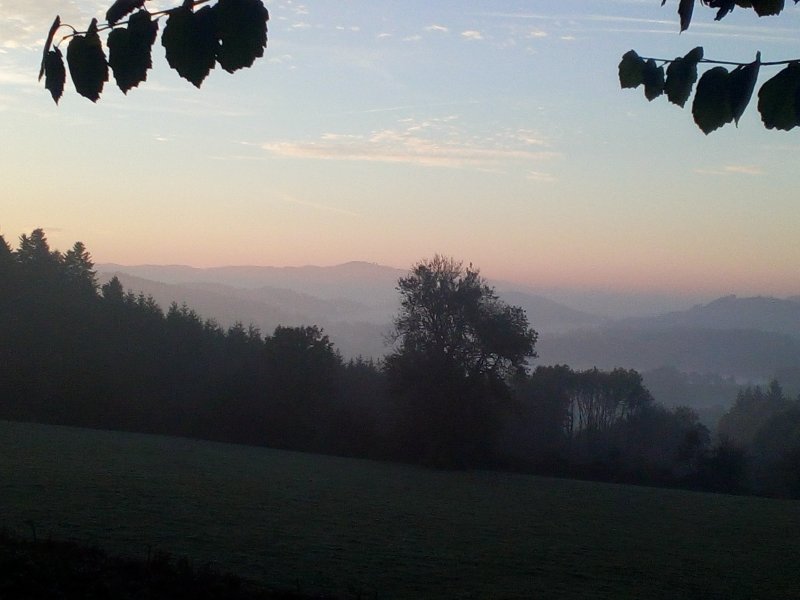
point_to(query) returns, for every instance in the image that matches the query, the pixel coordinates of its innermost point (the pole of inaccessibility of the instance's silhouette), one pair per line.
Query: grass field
(353, 527)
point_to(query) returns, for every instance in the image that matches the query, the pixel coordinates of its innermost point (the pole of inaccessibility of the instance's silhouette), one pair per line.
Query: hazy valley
(747, 339)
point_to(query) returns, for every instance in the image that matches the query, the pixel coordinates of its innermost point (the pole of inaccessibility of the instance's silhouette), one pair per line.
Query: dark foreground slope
(34, 568)
(352, 527)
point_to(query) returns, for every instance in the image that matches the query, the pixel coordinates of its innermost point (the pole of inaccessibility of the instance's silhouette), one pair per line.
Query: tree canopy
(448, 311)
(231, 33)
(458, 344)
(721, 95)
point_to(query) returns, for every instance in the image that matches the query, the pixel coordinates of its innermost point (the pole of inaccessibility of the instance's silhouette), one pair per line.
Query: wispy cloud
(518, 15)
(281, 59)
(753, 32)
(536, 33)
(25, 23)
(317, 206)
(437, 28)
(472, 34)
(540, 177)
(431, 143)
(732, 170)
(568, 25)
(621, 19)
(744, 170)
(12, 75)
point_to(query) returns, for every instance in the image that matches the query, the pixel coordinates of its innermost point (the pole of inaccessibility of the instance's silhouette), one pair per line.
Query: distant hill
(745, 338)
(741, 354)
(354, 302)
(300, 303)
(368, 286)
(346, 322)
(759, 313)
(363, 282)
(218, 301)
(548, 316)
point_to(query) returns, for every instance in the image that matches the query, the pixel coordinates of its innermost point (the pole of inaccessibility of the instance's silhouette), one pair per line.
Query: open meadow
(354, 527)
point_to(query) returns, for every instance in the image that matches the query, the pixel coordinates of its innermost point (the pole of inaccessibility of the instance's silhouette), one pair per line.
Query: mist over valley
(743, 338)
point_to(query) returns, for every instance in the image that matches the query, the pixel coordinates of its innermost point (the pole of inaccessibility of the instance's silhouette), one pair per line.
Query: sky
(494, 132)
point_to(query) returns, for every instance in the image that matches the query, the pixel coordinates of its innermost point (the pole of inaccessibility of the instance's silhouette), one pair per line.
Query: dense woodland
(74, 353)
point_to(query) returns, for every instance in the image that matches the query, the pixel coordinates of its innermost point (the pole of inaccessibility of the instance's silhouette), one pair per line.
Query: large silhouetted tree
(458, 345)
(721, 96)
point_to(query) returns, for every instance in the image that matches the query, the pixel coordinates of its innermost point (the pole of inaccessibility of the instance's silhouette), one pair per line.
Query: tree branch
(726, 62)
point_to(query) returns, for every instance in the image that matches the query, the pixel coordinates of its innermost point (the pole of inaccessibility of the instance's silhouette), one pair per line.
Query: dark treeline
(73, 353)
(763, 426)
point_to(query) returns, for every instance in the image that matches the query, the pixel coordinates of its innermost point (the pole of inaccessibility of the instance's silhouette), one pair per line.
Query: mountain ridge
(760, 313)
(345, 308)
(742, 337)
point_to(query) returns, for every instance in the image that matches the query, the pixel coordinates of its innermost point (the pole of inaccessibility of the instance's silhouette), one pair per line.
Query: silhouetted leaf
(681, 77)
(87, 63)
(631, 70)
(653, 80)
(120, 8)
(242, 32)
(190, 42)
(741, 83)
(53, 28)
(711, 107)
(129, 50)
(761, 7)
(55, 74)
(767, 7)
(723, 7)
(685, 9)
(778, 99)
